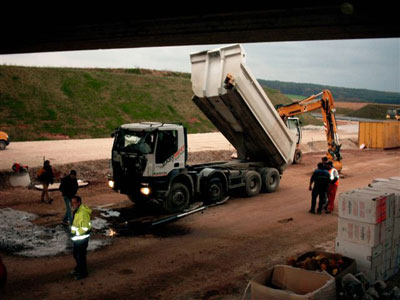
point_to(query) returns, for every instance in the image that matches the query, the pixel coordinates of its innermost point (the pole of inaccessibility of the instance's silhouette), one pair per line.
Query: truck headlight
(145, 190)
(111, 183)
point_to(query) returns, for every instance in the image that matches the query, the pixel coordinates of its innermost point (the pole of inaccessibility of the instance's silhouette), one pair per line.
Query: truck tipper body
(229, 95)
(149, 160)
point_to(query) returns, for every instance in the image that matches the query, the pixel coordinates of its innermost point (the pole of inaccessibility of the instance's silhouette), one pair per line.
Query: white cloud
(371, 64)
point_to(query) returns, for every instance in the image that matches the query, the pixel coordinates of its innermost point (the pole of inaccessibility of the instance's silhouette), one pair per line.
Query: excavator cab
(293, 123)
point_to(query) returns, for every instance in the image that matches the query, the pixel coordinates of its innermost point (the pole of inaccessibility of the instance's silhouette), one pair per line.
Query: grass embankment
(357, 109)
(372, 111)
(56, 103)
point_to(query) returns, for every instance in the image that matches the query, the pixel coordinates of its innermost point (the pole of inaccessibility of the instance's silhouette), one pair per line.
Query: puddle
(20, 236)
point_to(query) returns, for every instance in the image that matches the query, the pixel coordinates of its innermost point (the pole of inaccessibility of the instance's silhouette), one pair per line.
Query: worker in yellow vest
(80, 233)
(332, 187)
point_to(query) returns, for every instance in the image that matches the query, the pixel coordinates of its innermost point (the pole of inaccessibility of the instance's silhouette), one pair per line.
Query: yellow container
(379, 135)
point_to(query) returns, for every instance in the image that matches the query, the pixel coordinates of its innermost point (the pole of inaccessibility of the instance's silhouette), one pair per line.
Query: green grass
(371, 111)
(52, 103)
(295, 97)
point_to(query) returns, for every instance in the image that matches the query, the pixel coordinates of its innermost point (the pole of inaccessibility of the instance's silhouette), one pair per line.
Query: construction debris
(359, 287)
(334, 264)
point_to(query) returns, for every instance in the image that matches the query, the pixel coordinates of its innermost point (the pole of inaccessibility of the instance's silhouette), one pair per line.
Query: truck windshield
(135, 141)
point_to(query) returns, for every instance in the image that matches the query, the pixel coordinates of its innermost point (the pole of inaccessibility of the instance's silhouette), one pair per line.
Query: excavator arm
(325, 102)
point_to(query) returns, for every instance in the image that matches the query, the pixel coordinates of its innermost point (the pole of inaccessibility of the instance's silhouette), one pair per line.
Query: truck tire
(178, 198)
(215, 191)
(2, 145)
(270, 179)
(297, 156)
(253, 183)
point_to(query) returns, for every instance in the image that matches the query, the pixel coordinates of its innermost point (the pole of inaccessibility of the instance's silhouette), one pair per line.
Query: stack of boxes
(369, 228)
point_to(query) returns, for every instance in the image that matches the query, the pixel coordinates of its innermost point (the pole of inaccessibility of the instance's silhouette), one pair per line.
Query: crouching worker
(80, 232)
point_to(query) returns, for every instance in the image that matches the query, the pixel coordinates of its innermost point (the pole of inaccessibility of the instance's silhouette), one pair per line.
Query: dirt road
(71, 151)
(209, 255)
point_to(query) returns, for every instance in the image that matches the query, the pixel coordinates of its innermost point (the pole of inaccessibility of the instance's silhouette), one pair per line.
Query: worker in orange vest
(332, 187)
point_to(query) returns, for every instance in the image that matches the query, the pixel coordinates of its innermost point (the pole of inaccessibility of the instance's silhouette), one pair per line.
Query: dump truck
(149, 159)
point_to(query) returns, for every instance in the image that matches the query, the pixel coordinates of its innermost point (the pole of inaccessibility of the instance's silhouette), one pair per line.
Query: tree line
(339, 93)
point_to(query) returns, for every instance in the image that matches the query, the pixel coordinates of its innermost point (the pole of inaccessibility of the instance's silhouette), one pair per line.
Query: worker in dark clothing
(320, 178)
(46, 177)
(324, 161)
(68, 188)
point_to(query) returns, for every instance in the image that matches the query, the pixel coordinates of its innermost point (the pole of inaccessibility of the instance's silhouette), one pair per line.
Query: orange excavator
(325, 102)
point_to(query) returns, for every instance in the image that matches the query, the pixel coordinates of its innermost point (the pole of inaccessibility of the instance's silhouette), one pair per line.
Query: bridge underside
(32, 29)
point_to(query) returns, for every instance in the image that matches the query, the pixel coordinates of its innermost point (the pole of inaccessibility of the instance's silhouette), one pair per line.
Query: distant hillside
(57, 103)
(339, 93)
(371, 111)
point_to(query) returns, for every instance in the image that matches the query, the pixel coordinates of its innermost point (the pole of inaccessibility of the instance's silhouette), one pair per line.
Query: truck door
(169, 153)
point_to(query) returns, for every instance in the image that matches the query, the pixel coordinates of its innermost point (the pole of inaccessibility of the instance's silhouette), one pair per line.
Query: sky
(372, 64)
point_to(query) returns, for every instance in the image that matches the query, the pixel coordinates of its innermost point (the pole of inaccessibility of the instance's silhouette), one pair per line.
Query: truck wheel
(177, 199)
(271, 179)
(2, 145)
(297, 156)
(215, 191)
(253, 183)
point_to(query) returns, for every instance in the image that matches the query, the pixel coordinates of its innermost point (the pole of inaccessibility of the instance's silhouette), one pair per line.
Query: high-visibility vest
(334, 174)
(81, 225)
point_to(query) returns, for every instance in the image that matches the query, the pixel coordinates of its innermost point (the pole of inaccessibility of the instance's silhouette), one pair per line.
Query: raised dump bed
(229, 95)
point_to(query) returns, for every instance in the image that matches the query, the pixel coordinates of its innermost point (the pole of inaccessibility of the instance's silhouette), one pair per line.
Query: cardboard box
(387, 259)
(366, 257)
(396, 229)
(390, 201)
(361, 206)
(388, 238)
(390, 187)
(285, 282)
(361, 233)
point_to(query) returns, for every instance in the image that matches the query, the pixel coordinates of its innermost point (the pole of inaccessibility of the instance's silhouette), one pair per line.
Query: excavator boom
(325, 102)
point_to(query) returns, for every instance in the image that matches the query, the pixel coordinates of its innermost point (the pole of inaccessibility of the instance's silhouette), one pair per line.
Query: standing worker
(80, 231)
(68, 188)
(46, 177)
(332, 187)
(320, 178)
(324, 161)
